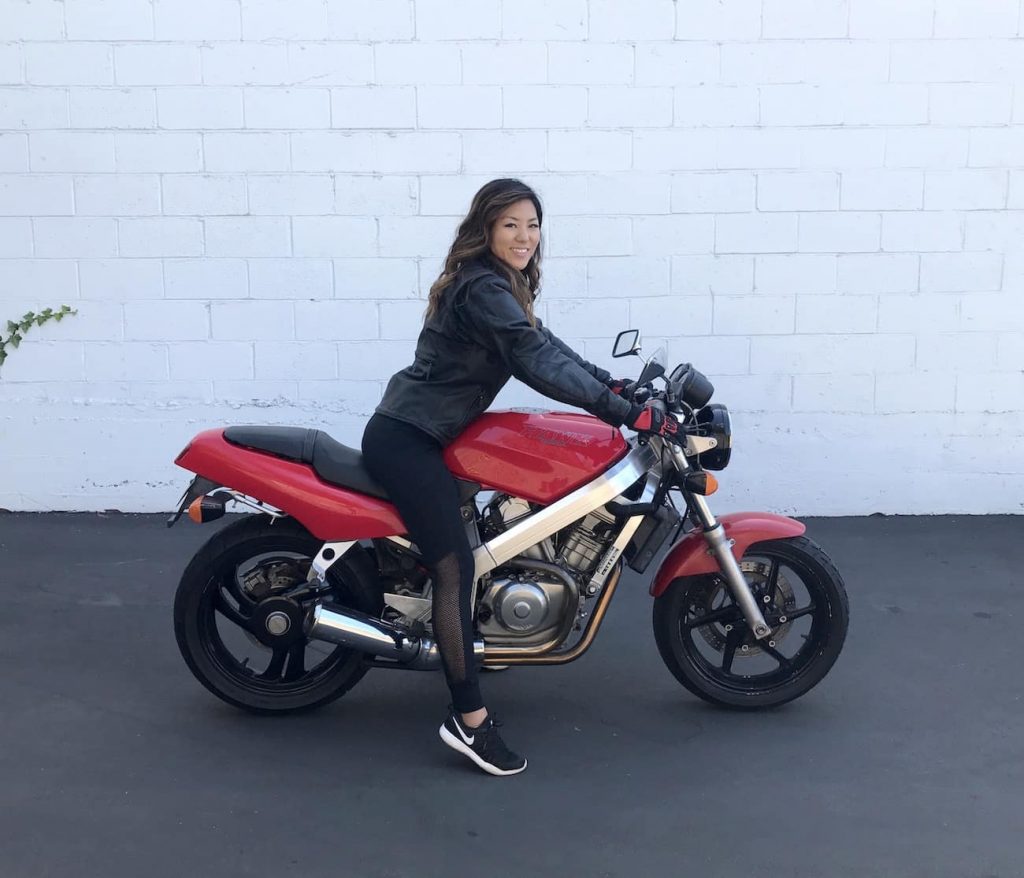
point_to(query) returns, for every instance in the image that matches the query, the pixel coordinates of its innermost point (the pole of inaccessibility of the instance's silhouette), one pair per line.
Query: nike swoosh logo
(465, 740)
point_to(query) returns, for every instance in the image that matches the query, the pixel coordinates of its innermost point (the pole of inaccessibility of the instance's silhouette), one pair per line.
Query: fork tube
(721, 547)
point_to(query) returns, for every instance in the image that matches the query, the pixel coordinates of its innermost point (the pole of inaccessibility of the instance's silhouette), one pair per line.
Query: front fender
(692, 557)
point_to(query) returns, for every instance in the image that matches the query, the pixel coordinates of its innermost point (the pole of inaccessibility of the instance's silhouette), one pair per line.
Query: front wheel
(708, 646)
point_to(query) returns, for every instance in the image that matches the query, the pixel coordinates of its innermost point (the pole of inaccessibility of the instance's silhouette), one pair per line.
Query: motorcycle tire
(679, 630)
(210, 588)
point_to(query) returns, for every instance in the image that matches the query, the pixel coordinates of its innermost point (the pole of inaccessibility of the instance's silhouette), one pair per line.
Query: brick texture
(820, 203)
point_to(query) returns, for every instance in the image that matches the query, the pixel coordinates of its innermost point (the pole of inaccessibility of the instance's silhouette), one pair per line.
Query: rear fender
(691, 556)
(198, 488)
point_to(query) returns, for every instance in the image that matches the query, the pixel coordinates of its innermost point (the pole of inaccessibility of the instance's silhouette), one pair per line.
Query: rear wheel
(239, 612)
(708, 646)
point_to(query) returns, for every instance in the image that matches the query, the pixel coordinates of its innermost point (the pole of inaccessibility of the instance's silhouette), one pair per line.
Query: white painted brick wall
(287, 108)
(878, 272)
(53, 195)
(248, 236)
(330, 64)
(249, 152)
(160, 236)
(820, 203)
(15, 237)
(882, 190)
(69, 64)
(815, 190)
(64, 151)
(728, 192)
(205, 279)
(290, 278)
(157, 64)
(113, 108)
(829, 393)
(158, 152)
(120, 280)
(204, 195)
(796, 273)
(457, 20)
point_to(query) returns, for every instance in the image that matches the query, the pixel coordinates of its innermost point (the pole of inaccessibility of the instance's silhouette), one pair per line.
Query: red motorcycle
(287, 609)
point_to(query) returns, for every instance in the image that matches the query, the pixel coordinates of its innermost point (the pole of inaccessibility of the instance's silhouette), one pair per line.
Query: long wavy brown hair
(473, 241)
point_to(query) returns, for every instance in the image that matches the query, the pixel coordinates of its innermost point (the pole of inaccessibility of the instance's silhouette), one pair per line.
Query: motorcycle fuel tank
(537, 455)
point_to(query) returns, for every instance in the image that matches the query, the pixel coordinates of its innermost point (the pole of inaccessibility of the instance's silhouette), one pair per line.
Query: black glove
(620, 387)
(651, 419)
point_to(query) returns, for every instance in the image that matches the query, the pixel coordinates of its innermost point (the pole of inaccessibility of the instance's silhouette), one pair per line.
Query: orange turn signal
(701, 483)
(205, 508)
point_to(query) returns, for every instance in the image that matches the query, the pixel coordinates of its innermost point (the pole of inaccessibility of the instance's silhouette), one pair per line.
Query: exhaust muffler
(376, 637)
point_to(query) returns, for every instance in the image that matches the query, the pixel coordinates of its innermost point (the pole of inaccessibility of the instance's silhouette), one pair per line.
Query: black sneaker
(483, 745)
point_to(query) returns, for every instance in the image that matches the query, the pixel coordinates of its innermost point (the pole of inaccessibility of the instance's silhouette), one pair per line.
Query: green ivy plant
(16, 329)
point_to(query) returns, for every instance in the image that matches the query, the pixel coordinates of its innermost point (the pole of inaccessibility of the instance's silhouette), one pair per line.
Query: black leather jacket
(468, 350)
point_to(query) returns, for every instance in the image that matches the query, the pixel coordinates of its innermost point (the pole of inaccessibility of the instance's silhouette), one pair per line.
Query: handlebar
(686, 390)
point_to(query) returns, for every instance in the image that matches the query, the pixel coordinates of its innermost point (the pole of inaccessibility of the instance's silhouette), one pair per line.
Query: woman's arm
(599, 373)
(499, 322)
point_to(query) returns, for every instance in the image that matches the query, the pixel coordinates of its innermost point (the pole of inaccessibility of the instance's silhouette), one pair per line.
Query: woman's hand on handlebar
(653, 419)
(622, 387)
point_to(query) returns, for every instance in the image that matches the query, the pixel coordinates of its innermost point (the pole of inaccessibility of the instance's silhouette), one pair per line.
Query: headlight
(714, 422)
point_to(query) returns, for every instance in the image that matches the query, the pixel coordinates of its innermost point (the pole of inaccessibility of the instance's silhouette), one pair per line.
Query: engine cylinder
(586, 544)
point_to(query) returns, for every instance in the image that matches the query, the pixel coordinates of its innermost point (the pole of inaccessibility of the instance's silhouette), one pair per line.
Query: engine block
(586, 543)
(525, 606)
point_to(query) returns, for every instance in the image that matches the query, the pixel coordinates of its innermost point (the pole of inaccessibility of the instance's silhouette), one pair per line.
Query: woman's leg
(409, 464)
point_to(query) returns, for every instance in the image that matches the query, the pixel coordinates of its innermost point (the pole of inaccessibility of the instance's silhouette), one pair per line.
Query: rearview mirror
(626, 342)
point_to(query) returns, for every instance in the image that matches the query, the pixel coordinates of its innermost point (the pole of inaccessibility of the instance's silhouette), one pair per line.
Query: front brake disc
(715, 594)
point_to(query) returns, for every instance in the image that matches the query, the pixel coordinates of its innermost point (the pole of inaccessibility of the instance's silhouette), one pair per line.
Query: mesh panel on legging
(409, 464)
(452, 612)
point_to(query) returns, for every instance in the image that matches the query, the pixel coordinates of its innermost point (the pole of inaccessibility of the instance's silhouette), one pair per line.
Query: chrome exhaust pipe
(376, 637)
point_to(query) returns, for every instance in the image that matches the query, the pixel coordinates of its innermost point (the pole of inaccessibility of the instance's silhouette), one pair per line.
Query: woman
(479, 330)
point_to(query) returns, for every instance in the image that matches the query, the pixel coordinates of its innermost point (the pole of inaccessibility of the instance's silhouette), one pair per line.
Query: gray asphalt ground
(908, 760)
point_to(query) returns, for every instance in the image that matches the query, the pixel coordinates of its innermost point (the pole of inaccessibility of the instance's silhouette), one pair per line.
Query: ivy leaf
(16, 329)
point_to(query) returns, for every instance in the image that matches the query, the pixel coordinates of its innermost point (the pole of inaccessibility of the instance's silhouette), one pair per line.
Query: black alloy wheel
(707, 645)
(239, 613)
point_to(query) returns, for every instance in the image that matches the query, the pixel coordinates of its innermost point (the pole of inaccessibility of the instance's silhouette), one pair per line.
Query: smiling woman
(479, 331)
(516, 235)
(504, 221)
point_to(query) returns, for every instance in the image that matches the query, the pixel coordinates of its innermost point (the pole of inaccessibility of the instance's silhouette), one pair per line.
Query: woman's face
(515, 234)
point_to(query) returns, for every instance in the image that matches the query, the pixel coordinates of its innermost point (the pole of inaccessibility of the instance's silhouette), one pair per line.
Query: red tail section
(326, 511)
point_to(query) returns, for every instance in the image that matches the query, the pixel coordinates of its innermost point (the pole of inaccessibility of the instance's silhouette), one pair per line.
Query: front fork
(721, 547)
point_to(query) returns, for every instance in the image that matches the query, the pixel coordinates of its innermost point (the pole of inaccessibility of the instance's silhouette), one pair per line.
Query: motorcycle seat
(332, 461)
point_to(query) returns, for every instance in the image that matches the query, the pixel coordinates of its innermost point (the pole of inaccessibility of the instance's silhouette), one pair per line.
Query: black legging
(409, 464)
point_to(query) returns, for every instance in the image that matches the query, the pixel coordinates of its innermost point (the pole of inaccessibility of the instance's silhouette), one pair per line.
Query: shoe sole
(457, 745)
